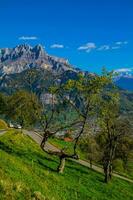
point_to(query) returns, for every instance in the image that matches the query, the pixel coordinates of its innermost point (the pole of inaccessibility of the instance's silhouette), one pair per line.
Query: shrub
(3, 124)
(118, 165)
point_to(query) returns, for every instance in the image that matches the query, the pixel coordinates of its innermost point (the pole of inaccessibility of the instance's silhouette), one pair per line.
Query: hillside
(27, 173)
(126, 101)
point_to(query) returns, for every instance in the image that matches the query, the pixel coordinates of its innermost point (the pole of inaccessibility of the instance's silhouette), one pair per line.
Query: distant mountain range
(16, 65)
(124, 78)
(15, 62)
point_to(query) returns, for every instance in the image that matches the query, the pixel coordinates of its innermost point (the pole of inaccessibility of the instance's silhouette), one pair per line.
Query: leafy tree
(124, 149)
(89, 145)
(112, 129)
(21, 108)
(3, 103)
(118, 165)
(84, 95)
(53, 117)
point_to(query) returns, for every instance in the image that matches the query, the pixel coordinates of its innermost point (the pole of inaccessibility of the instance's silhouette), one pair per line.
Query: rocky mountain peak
(39, 51)
(22, 51)
(23, 47)
(24, 56)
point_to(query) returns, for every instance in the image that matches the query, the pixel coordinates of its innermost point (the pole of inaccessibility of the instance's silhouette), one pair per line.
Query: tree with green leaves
(21, 108)
(3, 103)
(124, 149)
(83, 95)
(89, 146)
(112, 128)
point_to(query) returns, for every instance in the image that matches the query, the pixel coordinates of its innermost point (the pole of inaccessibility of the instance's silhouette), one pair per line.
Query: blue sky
(89, 33)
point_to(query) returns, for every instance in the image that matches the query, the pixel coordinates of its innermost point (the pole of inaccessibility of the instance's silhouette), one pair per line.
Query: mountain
(17, 64)
(124, 78)
(24, 57)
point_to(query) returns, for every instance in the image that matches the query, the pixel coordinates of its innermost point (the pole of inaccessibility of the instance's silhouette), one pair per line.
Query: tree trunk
(61, 164)
(91, 163)
(110, 171)
(107, 171)
(106, 177)
(44, 140)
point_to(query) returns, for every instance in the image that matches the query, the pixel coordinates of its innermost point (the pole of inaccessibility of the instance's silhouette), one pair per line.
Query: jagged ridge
(23, 57)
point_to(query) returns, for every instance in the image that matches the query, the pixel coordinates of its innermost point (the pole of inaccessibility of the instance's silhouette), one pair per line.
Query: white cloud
(91, 46)
(125, 42)
(57, 46)
(118, 43)
(28, 38)
(87, 47)
(104, 48)
(115, 47)
(121, 42)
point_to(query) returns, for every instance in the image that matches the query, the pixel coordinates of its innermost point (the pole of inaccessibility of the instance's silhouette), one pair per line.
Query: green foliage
(118, 165)
(23, 108)
(126, 102)
(3, 124)
(3, 103)
(28, 173)
(89, 146)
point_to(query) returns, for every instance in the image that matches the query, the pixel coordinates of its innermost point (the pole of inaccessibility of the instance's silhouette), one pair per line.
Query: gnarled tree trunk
(61, 166)
(44, 140)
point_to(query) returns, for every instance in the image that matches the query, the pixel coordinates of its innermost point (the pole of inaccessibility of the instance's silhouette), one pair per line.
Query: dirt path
(2, 132)
(38, 138)
(99, 169)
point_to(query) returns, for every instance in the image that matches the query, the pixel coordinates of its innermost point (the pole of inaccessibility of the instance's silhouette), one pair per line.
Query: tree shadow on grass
(39, 159)
(77, 168)
(5, 147)
(48, 157)
(45, 161)
(45, 165)
(85, 170)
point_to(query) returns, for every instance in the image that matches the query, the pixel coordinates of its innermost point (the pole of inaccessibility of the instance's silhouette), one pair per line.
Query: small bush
(118, 165)
(3, 124)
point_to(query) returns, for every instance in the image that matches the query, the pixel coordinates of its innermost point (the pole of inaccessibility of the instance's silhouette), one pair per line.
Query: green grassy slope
(69, 148)
(27, 173)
